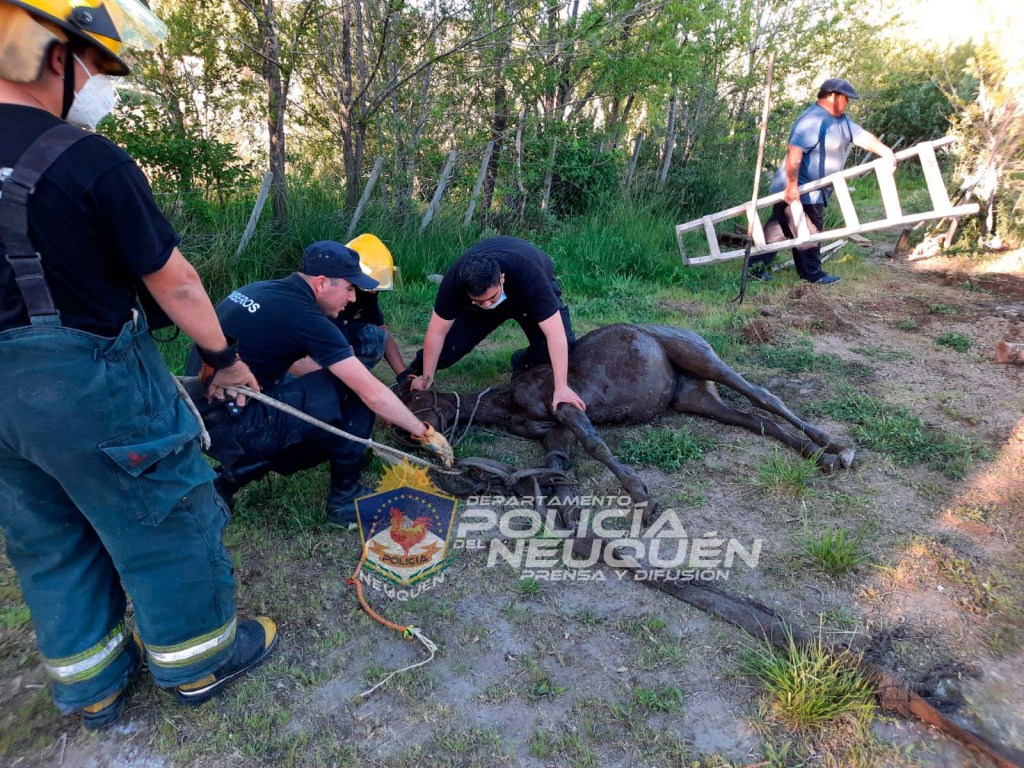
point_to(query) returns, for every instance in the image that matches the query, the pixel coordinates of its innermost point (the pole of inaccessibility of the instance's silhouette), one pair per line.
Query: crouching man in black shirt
(499, 279)
(278, 323)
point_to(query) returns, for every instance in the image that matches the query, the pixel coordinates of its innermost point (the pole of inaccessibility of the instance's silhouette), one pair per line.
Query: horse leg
(699, 397)
(559, 442)
(693, 355)
(577, 422)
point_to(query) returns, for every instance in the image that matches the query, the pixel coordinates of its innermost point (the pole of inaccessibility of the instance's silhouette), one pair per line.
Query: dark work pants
(260, 433)
(368, 341)
(473, 325)
(780, 226)
(103, 489)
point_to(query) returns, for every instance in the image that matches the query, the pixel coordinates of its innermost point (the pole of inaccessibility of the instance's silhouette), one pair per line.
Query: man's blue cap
(330, 259)
(838, 85)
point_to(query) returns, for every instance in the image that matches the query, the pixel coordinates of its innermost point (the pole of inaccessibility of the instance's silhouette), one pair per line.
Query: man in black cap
(278, 323)
(818, 144)
(495, 280)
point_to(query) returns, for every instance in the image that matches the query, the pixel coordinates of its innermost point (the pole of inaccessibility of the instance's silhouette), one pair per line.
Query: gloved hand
(218, 383)
(435, 442)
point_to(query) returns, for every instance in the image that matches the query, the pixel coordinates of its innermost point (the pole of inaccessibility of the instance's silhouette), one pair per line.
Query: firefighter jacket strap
(14, 196)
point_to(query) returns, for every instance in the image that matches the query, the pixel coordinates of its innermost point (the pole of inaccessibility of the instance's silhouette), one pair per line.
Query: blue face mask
(496, 302)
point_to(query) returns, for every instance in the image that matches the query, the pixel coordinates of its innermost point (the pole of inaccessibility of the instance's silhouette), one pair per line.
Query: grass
(961, 342)
(666, 448)
(14, 616)
(801, 358)
(835, 553)
(786, 475)
(664, 699)
(810, 686)
(896, 432)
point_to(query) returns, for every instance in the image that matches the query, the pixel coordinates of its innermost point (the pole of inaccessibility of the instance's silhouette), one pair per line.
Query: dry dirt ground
(614, 673)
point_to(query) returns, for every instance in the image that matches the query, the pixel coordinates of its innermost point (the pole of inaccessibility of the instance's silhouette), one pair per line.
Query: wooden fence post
(367, 191)
(254, 218)
(428, 217)
(549, 176)
(479, 183)
(633, 159)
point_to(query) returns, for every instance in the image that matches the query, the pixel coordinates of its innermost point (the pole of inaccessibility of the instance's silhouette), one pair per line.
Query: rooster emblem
(405, 534)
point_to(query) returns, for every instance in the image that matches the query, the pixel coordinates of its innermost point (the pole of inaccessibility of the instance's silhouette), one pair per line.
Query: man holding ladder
(819, 142)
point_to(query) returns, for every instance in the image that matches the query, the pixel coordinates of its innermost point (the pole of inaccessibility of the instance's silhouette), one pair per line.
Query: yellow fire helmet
(28, 27)
(375, 260)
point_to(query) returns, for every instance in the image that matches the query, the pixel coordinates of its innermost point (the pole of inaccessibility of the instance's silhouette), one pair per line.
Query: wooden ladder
(894, 217)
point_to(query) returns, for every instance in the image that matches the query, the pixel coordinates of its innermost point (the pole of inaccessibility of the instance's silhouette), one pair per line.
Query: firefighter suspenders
(15, 193)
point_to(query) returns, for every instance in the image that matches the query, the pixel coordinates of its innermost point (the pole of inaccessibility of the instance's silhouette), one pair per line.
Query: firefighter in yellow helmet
(103, 488)
(362, 320)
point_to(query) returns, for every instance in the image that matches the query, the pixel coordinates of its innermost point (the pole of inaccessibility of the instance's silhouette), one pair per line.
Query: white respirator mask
(94, 100)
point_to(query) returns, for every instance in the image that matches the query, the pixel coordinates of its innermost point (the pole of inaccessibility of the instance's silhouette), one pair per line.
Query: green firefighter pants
(104, 490)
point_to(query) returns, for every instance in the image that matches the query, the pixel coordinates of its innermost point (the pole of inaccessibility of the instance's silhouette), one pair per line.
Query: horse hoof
(828, 463)
(846, 458)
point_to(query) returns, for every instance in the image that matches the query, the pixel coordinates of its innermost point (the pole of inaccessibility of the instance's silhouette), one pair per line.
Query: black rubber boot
(230, 481)
(346, 486)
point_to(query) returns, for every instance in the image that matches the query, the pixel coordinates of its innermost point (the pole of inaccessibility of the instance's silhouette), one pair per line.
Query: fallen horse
(627, 374)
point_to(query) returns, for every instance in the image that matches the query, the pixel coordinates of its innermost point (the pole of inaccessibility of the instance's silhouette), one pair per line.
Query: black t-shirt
(277, 322)
(365, 309)
(529, 280)
(94, 222)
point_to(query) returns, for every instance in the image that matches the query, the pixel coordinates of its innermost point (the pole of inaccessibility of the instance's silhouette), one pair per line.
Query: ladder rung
(887, 186)
(796, 210)
(756, 230)
(712, 236)
(933, 177)
(845, 202)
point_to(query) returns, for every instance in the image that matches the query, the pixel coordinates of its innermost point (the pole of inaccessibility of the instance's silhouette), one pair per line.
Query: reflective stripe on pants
(103, 490)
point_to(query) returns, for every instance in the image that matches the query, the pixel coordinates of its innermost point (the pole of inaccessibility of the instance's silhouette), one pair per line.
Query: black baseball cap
(838, 85)
(331, 259)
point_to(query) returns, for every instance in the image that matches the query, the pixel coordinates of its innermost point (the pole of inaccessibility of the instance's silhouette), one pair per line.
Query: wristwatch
(219, 360)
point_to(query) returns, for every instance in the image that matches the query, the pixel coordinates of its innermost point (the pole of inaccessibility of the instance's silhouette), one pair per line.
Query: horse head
(438, 409)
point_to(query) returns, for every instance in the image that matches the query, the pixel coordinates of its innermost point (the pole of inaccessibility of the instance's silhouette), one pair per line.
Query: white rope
(380, 449)
(472, 416)
(204, 436)
(429, 644)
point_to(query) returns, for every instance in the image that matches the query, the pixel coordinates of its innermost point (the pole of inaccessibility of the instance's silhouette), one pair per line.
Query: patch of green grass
(961, 342)
(14, 616)
(666, 448)
(942, 309)
(666, 699)
(907, 324)
(836, 552)
(839, 616)
(540, 684)
(810, 686)
(693, 497)
(528, 587)
(801, 358)
(896, 432)
(29, 727)
(587, 617)
(569, 747)
(787, 475)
